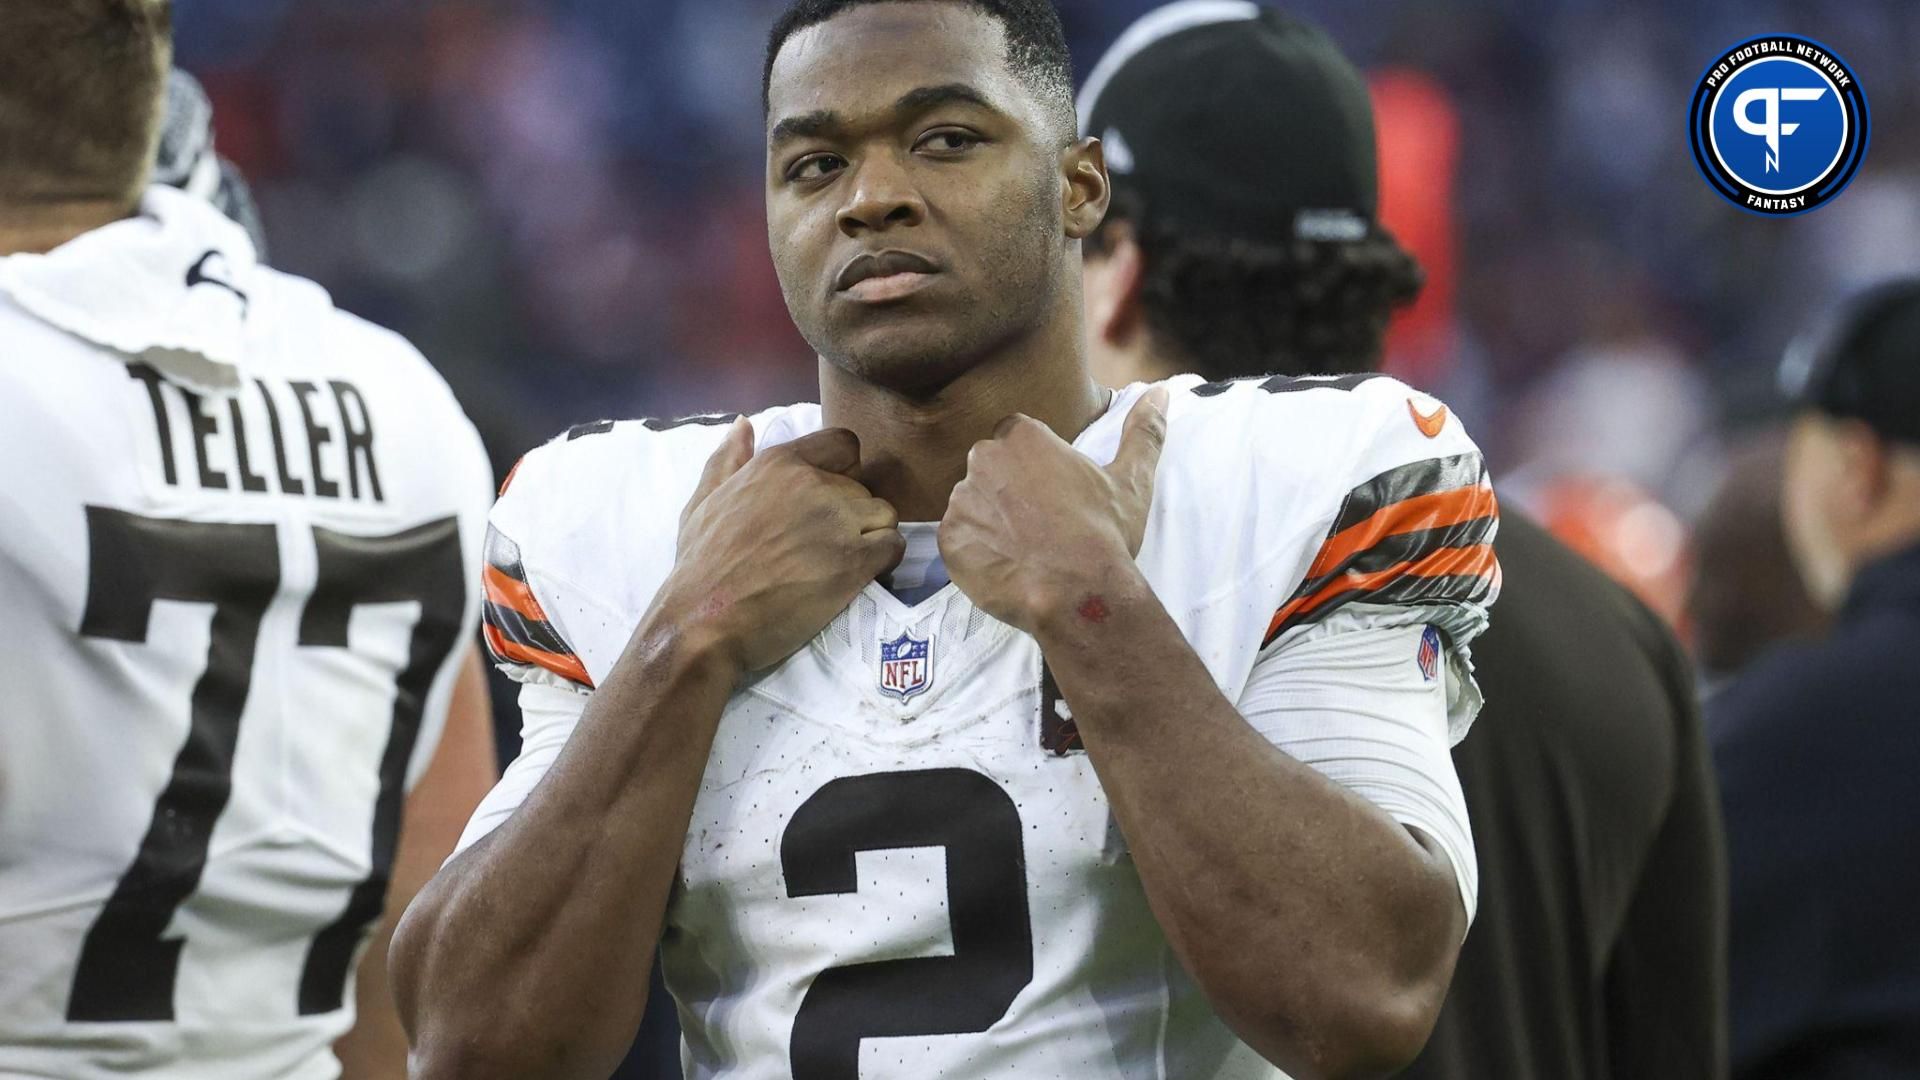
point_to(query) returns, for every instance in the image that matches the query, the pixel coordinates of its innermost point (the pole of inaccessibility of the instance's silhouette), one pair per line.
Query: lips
(885, 264)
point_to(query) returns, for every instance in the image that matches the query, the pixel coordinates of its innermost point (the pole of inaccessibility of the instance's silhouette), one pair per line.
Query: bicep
(1372, 703)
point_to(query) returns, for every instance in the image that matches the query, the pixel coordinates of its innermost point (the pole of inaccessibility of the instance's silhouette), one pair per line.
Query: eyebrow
(808, 125)
(804, 126)
(928, 97)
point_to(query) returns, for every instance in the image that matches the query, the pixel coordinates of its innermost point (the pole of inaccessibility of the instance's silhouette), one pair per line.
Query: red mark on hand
(1093, 609)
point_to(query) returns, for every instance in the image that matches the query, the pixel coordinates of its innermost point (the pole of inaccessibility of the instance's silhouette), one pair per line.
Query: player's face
(914, 193)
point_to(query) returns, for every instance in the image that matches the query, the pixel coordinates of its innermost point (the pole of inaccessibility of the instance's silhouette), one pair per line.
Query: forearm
(529, 954)
(1320, 930)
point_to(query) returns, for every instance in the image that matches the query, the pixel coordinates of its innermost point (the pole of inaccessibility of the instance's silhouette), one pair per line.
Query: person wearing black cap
(1815, 742)
(1240, 242)
(1245, 241)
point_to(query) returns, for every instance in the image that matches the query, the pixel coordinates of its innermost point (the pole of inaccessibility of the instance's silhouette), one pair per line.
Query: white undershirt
(922, 573)
(1348, 698)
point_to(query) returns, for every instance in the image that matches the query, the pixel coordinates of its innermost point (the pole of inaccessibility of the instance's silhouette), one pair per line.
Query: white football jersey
(233, 622)
(901, 863)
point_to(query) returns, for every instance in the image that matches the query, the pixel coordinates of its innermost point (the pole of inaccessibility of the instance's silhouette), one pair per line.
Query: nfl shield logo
(906, 666)
(1429, 657)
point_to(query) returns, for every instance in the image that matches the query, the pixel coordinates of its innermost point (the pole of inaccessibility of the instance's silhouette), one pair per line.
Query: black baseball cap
(1863, 363)
(1237, 120)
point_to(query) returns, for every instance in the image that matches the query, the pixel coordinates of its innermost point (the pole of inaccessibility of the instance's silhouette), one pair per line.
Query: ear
(1866, 467)
(1113, 282)
(1087, 191)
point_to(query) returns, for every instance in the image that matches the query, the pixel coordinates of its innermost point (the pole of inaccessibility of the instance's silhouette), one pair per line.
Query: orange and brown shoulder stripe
(1418, 534)
(516, 628)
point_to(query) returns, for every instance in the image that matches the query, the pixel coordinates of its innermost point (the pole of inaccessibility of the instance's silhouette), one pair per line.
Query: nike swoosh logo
(1430, 426)
(198, 275)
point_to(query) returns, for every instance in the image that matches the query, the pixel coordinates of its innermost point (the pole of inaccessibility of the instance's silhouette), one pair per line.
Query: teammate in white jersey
(240, 536)
(1126, 755)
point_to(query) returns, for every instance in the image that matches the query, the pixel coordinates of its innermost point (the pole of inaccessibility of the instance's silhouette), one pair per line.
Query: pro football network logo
(1779, 125)
(906, 666)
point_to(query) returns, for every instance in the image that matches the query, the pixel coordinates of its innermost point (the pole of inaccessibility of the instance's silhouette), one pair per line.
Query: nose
(882, 198)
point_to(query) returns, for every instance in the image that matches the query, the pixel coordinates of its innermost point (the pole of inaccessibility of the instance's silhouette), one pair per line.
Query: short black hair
(1232, 308)
(1036, 45)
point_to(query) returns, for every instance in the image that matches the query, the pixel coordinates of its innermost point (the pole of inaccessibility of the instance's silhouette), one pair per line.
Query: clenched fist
(1036, 528)
(772, 546)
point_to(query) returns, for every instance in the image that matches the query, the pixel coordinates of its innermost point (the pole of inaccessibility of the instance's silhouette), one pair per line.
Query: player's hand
(773, 546)
(1036, 528)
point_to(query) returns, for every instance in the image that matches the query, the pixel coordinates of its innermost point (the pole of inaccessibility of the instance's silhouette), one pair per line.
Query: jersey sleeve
(523, 595)
(574, 546)
(1363, 671)
(1413, 531)
(542, 539)
(1407, 540)
(524, 641)
(548, 714)
(1358, 700)
(1335, 560)
(581, 538)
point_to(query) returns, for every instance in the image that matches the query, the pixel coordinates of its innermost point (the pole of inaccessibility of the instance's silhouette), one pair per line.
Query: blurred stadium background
(560, 202)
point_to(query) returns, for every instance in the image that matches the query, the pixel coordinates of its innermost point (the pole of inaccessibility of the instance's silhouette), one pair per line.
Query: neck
(1892, 531)
(39, 227)
(1133, 356)
(1885, 543)
(1150, 364)
(913, 451)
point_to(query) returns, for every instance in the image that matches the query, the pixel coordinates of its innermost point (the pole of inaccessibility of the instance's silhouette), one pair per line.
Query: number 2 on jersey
(127, 966)
(977, 823)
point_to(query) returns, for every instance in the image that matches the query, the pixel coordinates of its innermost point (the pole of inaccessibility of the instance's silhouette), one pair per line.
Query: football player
(241, 530)
(975, 721)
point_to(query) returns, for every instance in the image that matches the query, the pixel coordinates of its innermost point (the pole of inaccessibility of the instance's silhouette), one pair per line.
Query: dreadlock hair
(1036, 46)
(1232, 308)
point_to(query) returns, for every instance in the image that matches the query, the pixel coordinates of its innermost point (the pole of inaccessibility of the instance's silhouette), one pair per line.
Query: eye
(815, 167)
(948, 141)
